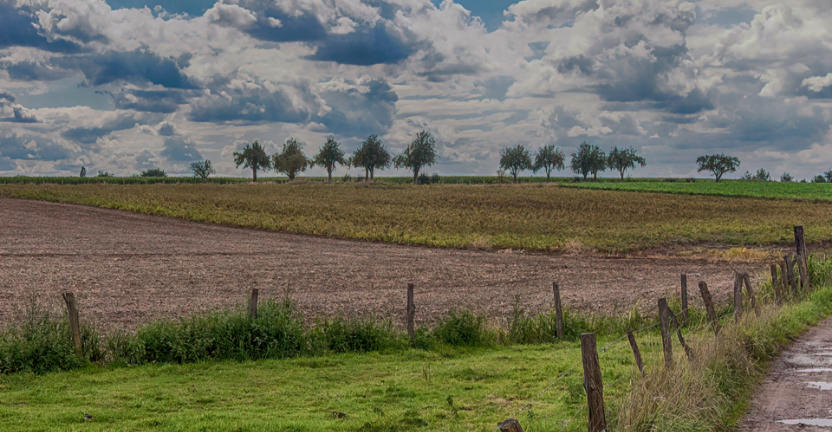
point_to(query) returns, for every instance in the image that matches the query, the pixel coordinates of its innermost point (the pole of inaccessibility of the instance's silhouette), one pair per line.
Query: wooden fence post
(509, 425)
(688, 351)
(74, 321)
(709, 305)
(667, 342)
(750, 292)
(411, 314)
(252, 303)
(684, 294)
(558, 310)
(636, 352)
(775, 285)
(593, 384)
(737, 297)
(792, 279)
(799, 241)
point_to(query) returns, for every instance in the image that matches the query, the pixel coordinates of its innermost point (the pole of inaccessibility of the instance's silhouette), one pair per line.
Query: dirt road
(127, 269)
(797, 393)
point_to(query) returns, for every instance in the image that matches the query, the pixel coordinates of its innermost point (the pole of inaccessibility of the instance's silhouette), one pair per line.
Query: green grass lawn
(411, 390)
(734, 188)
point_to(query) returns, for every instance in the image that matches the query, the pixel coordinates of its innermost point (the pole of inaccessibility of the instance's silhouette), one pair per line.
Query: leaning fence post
(709, 305)
(74, 321)
(593, 384)
(737, 297)
(775, 285)
(411, 313)
(636, 352)
(558, 310)
(252, 303)
(667, 343)
(792, 279)
(750, 292)
(688, 351)
(684, 294)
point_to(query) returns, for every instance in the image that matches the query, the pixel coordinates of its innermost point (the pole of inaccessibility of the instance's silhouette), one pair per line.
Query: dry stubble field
(129, 268)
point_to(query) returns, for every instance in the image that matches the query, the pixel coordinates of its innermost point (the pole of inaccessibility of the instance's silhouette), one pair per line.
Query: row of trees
(370, 155)
(588, 159)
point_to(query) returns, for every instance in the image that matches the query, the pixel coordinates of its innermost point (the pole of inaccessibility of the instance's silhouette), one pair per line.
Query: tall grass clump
(711, 391)
(463, 328)
(42, 344)
(277, 332)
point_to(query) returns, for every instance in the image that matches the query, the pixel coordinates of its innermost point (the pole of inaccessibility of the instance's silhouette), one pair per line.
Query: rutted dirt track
(797, 393)
(127, 269)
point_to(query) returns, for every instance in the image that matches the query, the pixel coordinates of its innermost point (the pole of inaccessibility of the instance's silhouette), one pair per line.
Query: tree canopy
(624, 159)
(329, 155)
(253, 156)
(202, 169)
(589, 159)
(515, 159)
(548, 158)
(291, 160)
(718, 164)
(371, 155)
(154, 172)
(421, 152)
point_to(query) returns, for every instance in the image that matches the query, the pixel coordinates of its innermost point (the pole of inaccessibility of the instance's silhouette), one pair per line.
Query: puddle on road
(807, 360)
(820, 385)
(821, 422)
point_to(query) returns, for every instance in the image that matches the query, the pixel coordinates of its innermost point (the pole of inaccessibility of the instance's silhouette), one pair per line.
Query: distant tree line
(370, 155)
(588, 159)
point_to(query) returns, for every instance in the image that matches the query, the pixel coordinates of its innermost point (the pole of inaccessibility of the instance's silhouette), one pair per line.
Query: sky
(126, 85)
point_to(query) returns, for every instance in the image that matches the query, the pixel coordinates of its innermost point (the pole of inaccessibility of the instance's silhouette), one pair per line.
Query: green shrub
(339, 335)
(463, 329)
(42, 344)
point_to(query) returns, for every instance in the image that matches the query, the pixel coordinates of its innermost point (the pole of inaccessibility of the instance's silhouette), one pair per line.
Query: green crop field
(532, 217)
(735, 188)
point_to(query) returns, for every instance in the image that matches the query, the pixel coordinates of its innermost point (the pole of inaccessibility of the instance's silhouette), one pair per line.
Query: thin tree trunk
(366, 173)
(329, 174)
(254, 173)
(622, 174)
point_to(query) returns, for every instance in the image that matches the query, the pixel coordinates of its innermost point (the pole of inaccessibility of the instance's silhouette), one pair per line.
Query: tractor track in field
(127, 269)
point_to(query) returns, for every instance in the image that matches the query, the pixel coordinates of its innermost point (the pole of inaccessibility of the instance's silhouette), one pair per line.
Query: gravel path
(127, 269)
(797, 393)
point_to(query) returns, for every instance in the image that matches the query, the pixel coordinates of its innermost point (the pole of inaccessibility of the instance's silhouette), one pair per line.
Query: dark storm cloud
(6, 96)
(367, 44)
(365, 47)
(22, 147)
(159, 101)
(17, 28)
(89, 135)
(249, 104)
(140, 66)
(359, 113)
(19, 115)
(496, 87)
(166, 129)
(34, 71)
(178, 149)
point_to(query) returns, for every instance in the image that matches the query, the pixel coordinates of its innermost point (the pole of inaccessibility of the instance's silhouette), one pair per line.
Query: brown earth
(127, 269)
(797, 393)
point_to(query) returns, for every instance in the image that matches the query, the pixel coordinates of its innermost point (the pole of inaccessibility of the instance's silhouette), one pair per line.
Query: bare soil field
(128, 269)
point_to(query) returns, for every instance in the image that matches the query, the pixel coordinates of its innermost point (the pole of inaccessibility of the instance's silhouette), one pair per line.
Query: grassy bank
(531, 217)
(711, 392)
